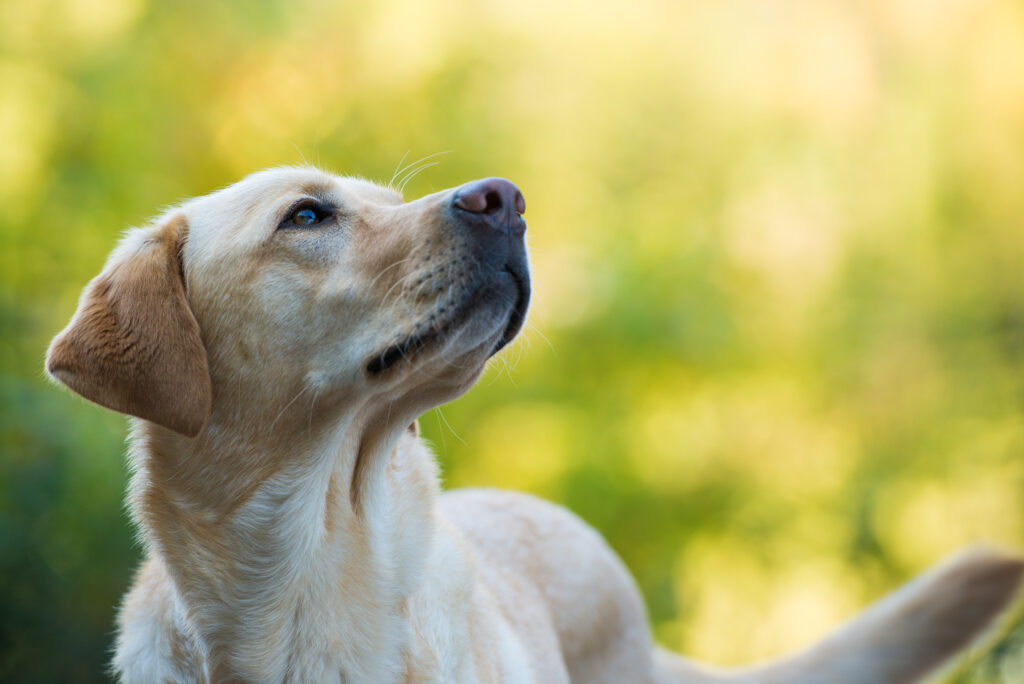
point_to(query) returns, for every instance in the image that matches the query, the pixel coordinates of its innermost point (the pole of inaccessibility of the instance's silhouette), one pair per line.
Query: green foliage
(776, 353)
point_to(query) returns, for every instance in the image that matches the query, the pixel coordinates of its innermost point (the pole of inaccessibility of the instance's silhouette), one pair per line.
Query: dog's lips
(407, 348)
(404, 350)
(518, 314)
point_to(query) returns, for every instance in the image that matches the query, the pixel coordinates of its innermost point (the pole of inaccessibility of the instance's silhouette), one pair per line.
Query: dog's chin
(489, 318)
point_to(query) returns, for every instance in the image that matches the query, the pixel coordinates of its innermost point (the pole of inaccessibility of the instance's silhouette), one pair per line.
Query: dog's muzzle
(488, 214)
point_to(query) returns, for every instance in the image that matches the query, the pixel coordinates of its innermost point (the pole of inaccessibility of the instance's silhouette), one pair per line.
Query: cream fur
(300, 534)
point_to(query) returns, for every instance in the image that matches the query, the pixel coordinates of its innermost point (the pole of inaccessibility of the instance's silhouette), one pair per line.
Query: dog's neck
(262, 539)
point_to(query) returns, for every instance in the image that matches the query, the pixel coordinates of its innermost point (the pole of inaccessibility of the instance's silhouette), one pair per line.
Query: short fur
(293, 522)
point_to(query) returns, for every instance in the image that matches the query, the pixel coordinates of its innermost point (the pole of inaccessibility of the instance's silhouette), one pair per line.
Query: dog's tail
(898, 640)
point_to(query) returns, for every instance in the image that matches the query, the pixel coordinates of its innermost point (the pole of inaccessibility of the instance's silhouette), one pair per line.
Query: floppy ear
(133, 345)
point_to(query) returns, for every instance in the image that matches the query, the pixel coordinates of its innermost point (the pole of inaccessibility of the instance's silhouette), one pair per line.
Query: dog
(275, 342)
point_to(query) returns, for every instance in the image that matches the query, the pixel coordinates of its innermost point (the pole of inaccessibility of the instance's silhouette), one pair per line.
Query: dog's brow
(324, 191)
(320, 188)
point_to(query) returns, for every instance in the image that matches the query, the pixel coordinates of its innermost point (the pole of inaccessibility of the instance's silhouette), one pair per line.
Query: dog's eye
(306, 214)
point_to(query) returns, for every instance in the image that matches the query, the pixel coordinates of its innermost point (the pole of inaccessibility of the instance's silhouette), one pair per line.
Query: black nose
(495, 201)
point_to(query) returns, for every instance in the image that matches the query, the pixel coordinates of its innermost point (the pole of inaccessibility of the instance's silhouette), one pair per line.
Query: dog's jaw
(502, 301)
(484, 294)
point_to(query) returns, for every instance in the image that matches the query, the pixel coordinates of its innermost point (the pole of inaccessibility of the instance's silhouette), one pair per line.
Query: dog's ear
(133, 345)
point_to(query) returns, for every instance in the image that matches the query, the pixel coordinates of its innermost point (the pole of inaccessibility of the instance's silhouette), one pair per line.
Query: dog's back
(598, 614)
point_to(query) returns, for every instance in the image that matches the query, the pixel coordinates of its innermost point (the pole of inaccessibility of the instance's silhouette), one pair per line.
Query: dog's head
(293, 281)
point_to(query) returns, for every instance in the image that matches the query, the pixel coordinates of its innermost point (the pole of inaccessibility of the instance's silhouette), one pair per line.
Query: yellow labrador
(275, 341)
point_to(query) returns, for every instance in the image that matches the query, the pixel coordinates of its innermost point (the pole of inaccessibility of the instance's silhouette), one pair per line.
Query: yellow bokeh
(29, 100)
(520, 447)
(735, 615)
(760, 429)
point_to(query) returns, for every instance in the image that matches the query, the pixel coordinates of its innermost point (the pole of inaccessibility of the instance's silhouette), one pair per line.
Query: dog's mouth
(518, 315)
(407, 349)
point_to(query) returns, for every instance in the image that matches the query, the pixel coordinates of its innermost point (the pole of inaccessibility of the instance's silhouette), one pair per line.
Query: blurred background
(776, 354)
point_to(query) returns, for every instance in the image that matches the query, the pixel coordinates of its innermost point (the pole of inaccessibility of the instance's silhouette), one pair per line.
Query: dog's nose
(496, 201)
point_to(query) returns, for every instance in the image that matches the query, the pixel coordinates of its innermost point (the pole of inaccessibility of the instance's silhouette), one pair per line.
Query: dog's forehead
(263, 188)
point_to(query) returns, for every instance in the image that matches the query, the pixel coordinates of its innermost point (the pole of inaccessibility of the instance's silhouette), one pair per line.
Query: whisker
(412, 174)
(397, 168)
(386, 269)
(521, 346)
(535, 329)
(448, 425)
(309, 425)
(440, 431)
(281, 413)
(400, 281)
(301, 156)
(316, 147)
(418, 161)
